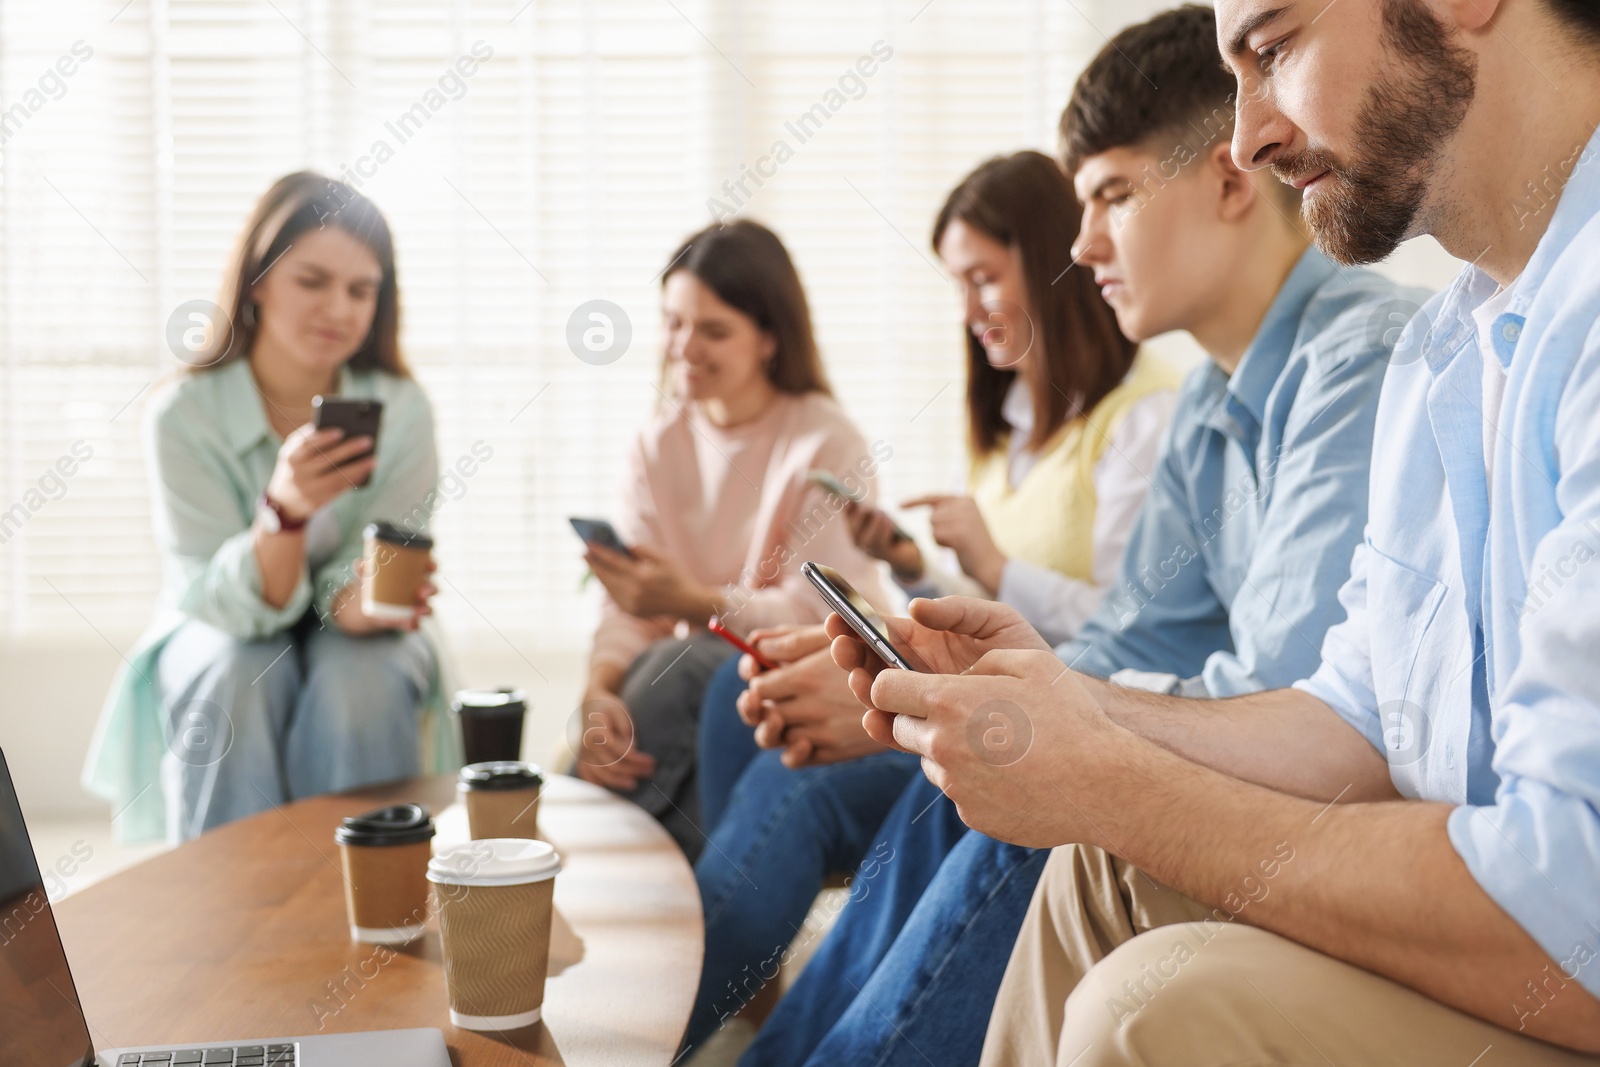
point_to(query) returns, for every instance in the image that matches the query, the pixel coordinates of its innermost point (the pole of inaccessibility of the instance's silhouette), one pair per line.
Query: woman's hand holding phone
(650, 583)
(315, 467)
(877, 535)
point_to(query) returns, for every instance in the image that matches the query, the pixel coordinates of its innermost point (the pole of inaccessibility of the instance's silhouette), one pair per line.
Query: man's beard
(1362, 210)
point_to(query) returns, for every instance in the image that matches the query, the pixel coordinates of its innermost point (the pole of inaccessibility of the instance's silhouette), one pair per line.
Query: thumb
(929, 500)
(971, 616)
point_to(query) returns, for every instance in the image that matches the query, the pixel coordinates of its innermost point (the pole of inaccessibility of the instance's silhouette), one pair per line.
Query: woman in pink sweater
(717, 512)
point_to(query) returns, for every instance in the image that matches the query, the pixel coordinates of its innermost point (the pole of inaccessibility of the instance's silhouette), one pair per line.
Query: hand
(783, 644)
(874, 533)
(949, 635)
(651, 583)
(1021, 744)
(806, 708)
(348, 616)
(315, 466)
(604, 749)
(958, 525)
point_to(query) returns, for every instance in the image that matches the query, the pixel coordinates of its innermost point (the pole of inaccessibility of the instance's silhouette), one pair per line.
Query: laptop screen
(41, 1021)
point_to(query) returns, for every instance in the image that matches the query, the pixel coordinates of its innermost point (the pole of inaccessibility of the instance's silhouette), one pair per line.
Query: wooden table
(241, 933)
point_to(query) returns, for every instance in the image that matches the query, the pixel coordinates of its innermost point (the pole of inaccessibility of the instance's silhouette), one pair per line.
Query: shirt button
(1511, 331)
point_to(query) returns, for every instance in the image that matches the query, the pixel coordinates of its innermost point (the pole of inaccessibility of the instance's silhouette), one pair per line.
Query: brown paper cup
(495, 906)
(502, 813)
(394, 573)
(386, 892)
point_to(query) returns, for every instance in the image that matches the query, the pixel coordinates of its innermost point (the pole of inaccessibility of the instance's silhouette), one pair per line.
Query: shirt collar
(1017, 408)
(241, 409)
(1578, 203)
(1251, 382)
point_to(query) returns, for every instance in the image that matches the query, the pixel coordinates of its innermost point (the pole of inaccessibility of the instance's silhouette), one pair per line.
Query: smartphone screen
(356, 416)
(599, 532)
(863, 618)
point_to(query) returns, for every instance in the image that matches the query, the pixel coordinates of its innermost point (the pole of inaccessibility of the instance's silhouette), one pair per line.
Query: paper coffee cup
(385, 855)
(396, 567)
(494, 899)
(491, 723)
(502, 799)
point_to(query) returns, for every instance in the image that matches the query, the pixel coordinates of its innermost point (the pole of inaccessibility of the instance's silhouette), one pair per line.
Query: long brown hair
(296, 204)
(748, 268)
(1025, 202)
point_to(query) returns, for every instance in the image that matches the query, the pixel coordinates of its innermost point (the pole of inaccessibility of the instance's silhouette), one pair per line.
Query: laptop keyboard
(241, 1056)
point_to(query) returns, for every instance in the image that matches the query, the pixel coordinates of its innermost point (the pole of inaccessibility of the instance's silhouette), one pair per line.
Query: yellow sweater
(1048, 519)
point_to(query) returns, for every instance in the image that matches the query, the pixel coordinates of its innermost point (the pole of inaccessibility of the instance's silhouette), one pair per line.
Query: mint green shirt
(211, 451)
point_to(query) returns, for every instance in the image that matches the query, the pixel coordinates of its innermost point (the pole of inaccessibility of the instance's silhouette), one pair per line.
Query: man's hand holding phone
(948, 635)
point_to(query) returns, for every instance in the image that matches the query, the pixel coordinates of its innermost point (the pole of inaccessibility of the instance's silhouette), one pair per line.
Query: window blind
(587, 140)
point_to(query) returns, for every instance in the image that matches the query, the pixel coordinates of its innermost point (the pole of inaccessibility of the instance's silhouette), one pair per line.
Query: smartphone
(356, 416)
(831, 484)
(715, 626)
(863, 618)
(600, 532)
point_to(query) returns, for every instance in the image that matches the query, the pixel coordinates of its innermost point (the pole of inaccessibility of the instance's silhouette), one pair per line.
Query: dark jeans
(909, 974)
(776, 837)
(663, 691)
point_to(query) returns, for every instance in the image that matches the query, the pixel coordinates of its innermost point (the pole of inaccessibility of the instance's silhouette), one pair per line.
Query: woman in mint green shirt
(261, 679)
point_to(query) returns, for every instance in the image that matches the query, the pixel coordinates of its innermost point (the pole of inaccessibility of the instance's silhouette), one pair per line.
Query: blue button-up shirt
(1230, 579)
(1469, 656)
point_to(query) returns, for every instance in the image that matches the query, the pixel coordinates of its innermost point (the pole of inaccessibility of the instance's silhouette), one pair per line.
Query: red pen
(716, 627)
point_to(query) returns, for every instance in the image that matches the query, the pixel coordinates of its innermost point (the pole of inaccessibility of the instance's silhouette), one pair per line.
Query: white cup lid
(495, 861)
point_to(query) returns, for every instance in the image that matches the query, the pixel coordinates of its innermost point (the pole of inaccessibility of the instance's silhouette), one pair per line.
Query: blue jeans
(910, 972)
(778, 834)
(253, 724)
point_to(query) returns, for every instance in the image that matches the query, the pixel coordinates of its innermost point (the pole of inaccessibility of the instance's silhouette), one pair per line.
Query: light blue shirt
(1230, 578)
(1471, 655)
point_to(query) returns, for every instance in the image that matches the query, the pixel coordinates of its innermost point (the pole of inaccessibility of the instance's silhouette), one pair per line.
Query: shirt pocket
(1402, 605)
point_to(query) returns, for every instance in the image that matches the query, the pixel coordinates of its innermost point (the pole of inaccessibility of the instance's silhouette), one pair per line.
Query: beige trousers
(1111, 968)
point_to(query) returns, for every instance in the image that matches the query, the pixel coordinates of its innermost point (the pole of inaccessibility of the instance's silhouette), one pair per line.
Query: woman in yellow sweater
(1064, 417)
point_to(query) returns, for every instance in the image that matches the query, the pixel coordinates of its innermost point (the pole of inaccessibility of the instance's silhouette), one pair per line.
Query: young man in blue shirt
(1397, 860)
(1228, 583)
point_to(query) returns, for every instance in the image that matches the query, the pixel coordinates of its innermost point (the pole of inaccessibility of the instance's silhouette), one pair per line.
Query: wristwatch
(274, 519)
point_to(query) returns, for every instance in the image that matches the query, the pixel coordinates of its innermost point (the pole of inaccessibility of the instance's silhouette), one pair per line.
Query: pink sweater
(734, 507)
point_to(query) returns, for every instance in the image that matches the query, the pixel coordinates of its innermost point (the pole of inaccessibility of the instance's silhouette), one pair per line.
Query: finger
(610, 556)
(880, 727)
(916, 695)
(925, 501)
(788, 647)
(748, 667)
(336, 479)
(749, 708)
(850, 654)
(780, 683)
(967, 615)
(643, 552)
(427, 592)
(609, 565)
(797, 754)
(337, 453)
(769, 734)
(861, 685)
(912, 734)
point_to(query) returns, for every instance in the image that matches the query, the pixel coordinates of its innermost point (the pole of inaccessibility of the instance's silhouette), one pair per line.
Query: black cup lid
(397, 535)
(505, 700)
(401, 824)
(501, 774)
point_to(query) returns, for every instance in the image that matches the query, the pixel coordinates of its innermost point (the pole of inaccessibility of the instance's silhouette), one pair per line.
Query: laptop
(42, 1024)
